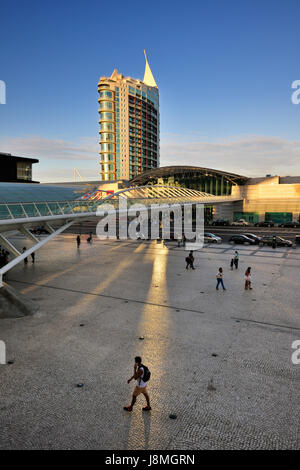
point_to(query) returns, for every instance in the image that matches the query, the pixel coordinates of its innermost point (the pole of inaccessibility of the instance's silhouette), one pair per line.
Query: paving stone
(111, 288)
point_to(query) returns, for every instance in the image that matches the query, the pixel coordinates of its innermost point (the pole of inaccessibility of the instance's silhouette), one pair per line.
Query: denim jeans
(220, 281)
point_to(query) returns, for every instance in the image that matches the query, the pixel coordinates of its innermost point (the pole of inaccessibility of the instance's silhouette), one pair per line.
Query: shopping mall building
(275, 198)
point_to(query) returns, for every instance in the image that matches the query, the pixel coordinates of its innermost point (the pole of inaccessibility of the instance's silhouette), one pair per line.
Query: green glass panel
(54, 208)
(31, 210)
(4, 213)
(43, 209)
(16, 210)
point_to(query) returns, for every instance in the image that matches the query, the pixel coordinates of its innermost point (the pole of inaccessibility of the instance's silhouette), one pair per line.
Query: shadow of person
(147, 426)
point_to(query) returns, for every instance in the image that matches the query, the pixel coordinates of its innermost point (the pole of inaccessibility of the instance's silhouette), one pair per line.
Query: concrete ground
(220, 361)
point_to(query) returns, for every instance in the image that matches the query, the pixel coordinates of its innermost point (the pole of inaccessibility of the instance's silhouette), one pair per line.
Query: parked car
(212, 238)
(220, 222)
(241, 240)
(241, 222)
(253, 237)
(279, 241)
(266, 223)
(290, 224)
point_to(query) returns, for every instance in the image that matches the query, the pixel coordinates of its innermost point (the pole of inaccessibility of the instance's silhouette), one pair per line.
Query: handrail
(147, 194)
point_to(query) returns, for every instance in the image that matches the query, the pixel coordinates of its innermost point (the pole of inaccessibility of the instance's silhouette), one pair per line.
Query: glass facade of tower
(143, 131)
(108, 107)
(129, 127)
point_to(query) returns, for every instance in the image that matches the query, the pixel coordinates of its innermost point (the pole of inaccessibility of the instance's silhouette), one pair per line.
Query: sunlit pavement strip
(246, 395)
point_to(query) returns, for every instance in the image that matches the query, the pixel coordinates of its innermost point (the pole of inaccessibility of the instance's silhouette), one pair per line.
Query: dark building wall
(9, 172)
(8, 169)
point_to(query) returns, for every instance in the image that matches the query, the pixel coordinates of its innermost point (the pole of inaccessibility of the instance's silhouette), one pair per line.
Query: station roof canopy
(31, 192)
(165, 171)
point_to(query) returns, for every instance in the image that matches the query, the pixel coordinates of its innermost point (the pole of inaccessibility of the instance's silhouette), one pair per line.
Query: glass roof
(26, 192)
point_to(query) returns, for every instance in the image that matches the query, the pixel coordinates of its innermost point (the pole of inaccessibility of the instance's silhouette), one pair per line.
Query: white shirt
(140, 382)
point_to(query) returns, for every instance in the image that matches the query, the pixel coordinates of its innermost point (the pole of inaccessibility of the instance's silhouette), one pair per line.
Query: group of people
(3, 257)
(4, 254)
(234, 262)
(32, 256)
(181, 241)
(248, 281)
(89, 239)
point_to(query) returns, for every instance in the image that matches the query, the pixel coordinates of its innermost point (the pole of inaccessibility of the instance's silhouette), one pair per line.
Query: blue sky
(224, 70)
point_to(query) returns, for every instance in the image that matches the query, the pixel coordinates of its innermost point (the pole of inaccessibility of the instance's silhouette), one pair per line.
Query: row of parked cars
(251, 239)
(244, 223)
(269, 240)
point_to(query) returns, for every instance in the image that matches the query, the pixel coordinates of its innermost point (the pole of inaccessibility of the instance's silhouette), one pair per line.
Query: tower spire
(148, 77)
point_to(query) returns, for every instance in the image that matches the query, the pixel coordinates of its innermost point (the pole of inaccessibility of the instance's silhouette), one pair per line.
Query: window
(107, 147)
(105, 94)
(105, 136)
(106, 126)
(108, 157)
(24, 171)
(106, 116)
(106, 105)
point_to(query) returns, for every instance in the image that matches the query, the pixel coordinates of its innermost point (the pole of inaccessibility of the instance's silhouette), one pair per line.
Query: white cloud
(249, 155)
(85, 148)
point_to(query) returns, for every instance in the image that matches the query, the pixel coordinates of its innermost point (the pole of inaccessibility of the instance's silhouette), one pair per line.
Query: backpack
(147, 373)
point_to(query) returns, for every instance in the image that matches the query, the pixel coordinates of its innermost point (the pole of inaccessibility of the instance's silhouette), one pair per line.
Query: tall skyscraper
(129, 125)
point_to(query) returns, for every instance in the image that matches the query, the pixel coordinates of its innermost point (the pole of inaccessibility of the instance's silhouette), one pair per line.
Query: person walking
(190, 260)
(25, 259)
(78, 241)
(141, 374)
(236, 259)
(220, 279)
(248, 279)
(274, 242)
(33, 257)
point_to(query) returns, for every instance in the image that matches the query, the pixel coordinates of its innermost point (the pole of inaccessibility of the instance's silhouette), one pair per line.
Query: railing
(42, 209)
(142, 194)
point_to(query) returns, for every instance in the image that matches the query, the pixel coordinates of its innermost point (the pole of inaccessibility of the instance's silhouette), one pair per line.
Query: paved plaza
(220, 361)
